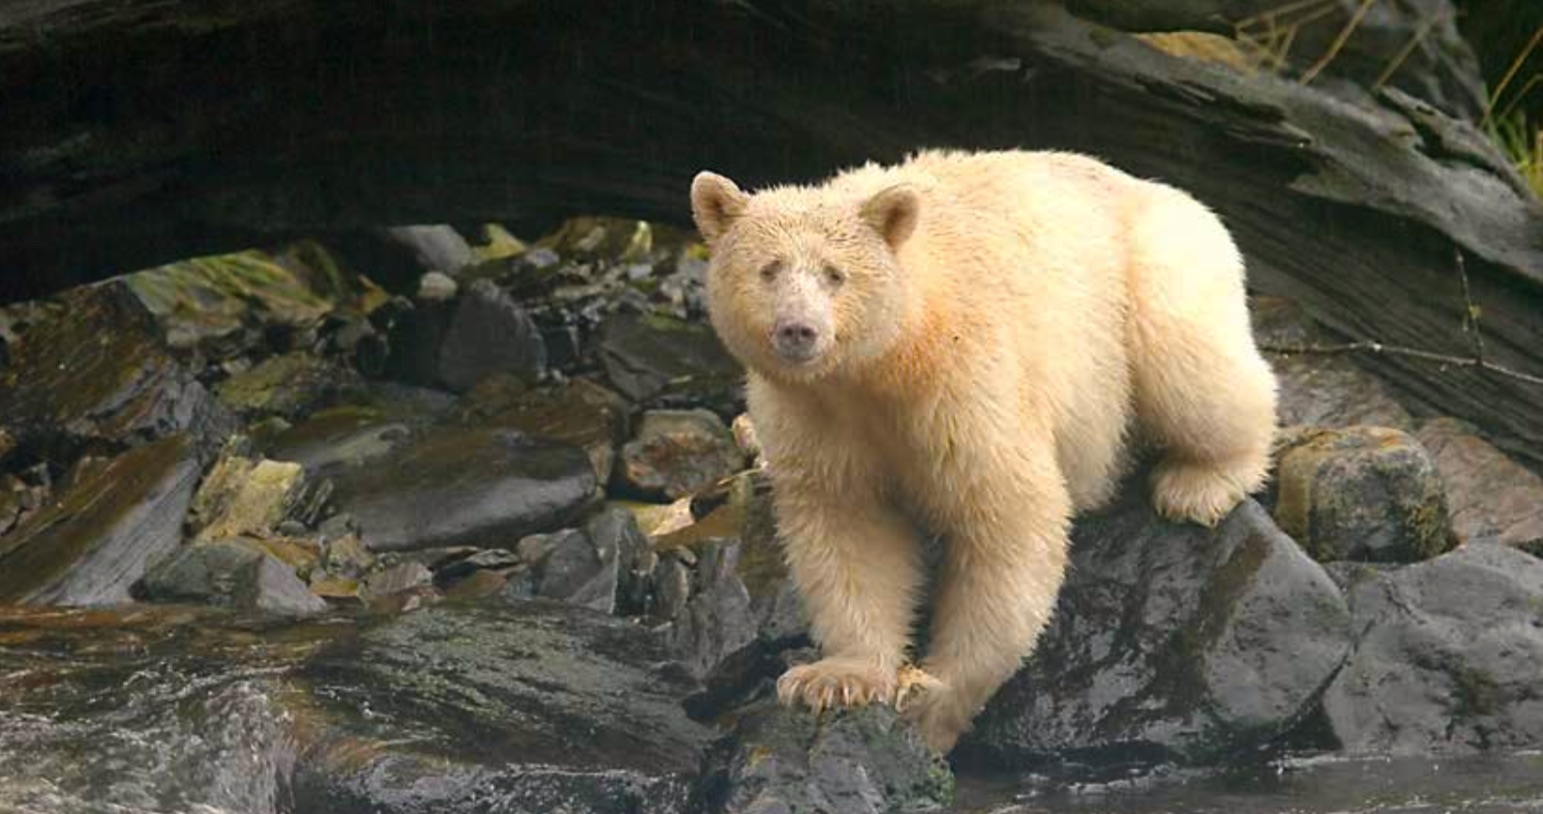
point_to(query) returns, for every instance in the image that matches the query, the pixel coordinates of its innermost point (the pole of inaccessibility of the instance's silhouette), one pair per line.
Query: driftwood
(140, 130)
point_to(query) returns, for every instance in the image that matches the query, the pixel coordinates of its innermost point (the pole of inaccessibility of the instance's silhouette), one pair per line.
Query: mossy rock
(1361, 493)
(95, 371)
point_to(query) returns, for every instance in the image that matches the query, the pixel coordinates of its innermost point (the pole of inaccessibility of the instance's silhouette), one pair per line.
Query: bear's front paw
(838, 682)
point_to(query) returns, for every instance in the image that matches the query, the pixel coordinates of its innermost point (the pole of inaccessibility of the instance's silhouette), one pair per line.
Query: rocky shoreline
(500, 543)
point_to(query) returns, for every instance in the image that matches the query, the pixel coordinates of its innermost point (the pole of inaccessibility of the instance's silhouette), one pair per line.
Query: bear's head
(804, 284)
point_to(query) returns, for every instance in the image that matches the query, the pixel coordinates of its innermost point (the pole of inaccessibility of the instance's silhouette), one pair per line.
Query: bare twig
(1268, 16)
(1379, 349)
(1516, 65)
(1521, 93)
(1339, 42)
(1403, 53)
(1470, 311)
(1278, 30)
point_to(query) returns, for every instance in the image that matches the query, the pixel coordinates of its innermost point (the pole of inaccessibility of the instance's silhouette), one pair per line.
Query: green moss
(211, 293)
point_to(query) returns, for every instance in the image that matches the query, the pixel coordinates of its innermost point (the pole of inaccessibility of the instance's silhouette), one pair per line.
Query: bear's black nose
(794, 339)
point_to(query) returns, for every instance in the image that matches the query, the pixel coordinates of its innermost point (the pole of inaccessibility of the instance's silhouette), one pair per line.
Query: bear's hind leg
(1203, 392)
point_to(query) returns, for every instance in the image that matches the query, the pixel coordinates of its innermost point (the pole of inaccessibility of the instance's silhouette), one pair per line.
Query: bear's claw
(832, 683)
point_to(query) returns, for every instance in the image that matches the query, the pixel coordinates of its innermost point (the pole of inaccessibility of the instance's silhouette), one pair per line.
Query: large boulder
(489, 333)
(234, 573)
(668, 362)
(112, 519)
(1447, 656)
(1172, 642)
(455, 486)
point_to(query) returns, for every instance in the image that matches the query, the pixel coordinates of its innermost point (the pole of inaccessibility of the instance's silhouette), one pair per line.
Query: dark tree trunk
(137, 131)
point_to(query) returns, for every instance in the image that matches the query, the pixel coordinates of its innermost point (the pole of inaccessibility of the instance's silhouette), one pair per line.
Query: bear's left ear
(715, 203)
(892, 213)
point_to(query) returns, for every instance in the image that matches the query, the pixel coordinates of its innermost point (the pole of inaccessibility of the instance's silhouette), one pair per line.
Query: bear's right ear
(715, 203)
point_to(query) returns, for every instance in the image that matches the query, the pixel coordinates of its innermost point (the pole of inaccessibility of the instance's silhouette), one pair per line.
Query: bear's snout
(795, 340)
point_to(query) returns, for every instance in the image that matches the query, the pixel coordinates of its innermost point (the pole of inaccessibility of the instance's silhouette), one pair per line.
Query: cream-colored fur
(991, 328)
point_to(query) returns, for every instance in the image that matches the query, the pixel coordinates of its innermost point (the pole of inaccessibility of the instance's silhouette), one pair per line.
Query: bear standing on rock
(966, 344)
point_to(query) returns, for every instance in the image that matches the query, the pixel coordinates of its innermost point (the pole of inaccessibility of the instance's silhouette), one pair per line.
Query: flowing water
(142, 713)
(191, 711)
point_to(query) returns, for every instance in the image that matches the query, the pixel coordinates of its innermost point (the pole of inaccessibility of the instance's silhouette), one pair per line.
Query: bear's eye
(834, 276)
(770, 270)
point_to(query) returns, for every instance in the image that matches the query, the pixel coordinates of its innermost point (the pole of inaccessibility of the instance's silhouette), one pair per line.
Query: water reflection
(1487, 784)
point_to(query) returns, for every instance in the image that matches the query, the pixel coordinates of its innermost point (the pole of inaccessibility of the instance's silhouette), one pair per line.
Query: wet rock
(489, 333)
(347, 556)
(782, 760)
(1491, 496)
(234, 573)
(462, 486)
(717, 622)
(492, 560)
(20, 497)
(243, 496)
(1319, 390)
(478, 584)
(531, 707)
(1447, 656)
(678, 452)
(1361, 493)
(615, 534)
(671, 588)
(292, 386)
(352, 434)
(668, 362)
(437, 287)
(569, 569)
(94, 371)
(659, 519)
(596, 567)
(744, 517)
(407, 576)
(107, 522)
(437, 247)
(274, 588)
(579, 412)
(301, 554)
(1172, 642)
(205, 572)
(227, 305)
(592, 237)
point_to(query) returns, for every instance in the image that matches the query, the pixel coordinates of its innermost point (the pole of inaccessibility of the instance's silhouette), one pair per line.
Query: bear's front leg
(1006, 558)
(855, 561)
